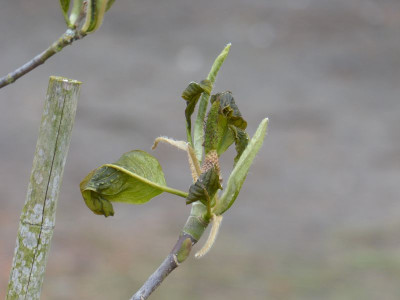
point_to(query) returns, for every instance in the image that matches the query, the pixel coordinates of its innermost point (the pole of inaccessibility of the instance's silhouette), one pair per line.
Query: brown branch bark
(66, 39)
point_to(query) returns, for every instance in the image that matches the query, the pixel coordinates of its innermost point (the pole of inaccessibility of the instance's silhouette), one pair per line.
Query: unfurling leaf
(94, 15)
(225, 125)
(192, 94)
(205, 188)
(109, 4)
(135, 178)
(241, 169)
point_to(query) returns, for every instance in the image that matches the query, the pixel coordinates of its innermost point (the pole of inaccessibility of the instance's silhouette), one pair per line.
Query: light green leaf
(64, 5)
(241, 169)
(135, 178)
(204, 188)
(109, 4)
(64, 8)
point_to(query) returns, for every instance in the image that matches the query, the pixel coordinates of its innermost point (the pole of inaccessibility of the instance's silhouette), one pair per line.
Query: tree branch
(172, 261)
(66, 39)
(191, 233)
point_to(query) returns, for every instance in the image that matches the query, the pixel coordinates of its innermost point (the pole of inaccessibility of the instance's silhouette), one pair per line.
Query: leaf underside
(135, 178)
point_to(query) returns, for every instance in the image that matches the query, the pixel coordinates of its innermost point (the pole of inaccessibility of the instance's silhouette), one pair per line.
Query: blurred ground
(318, 217)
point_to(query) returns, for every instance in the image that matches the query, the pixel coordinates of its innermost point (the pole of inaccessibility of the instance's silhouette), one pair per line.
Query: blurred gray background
(319, 214)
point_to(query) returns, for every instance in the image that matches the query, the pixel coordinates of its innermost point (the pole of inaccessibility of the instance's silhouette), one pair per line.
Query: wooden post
(38, 215)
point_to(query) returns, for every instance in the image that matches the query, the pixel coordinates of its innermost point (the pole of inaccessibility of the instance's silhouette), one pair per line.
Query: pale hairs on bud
(216, 222)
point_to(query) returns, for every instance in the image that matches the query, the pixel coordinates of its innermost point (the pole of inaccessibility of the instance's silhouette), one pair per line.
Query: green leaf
(64, 8)
(225, 125)
(204, 188)
(109, 4)
(198, 131)
(229, 109)
(215, 125)
(241, 169)
(192, 94)
(64, 5)
(94, 15)
(77, 9)
(135, 178)
(241, 141)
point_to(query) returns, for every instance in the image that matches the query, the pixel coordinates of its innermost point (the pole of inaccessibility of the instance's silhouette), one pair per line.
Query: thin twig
(184, 244)
(66, 39)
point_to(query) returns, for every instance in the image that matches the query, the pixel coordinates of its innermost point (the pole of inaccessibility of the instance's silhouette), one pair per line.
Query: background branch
(66, 39)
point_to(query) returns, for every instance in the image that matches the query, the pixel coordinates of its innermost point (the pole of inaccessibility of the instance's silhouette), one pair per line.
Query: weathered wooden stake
(38, 215)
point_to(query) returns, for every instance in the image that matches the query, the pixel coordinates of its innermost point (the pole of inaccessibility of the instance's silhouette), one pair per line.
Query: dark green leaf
(241, 141)
(225, 127)
(109, 4)
(135, 178)
(229, 109)
(204, 188)
(192, 94)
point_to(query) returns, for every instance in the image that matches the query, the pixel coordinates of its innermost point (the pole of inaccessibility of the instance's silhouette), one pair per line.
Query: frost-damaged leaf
(205, 187)
(109, 4)
(225, 127)
(135, 178)
(229, 109)
(192, 94)
(241, 169)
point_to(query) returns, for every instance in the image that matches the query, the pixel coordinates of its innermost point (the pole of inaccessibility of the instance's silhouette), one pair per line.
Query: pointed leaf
(241, 169)
(64, 5)
(205, 187)
(192, 94)
(135, 178)
(198, 131)
(109, 4)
